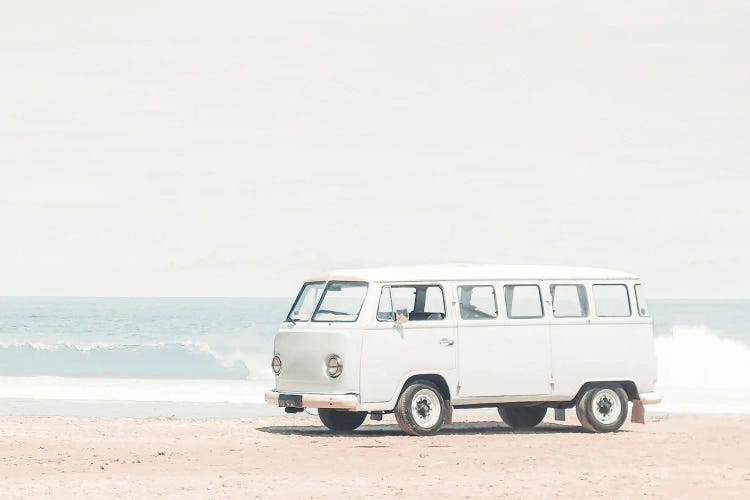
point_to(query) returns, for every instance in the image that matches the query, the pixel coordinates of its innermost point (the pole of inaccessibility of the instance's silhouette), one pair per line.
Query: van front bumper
(649, 398)
(337, 401)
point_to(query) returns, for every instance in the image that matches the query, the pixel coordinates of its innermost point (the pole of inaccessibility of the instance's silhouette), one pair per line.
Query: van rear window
(523, 301)
(612, 301)
(477, 302)
(569, 301)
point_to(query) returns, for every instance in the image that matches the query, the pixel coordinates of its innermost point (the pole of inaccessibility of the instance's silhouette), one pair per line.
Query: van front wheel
(420, 410)
(341, 420)
(603, 408)
(522, 416)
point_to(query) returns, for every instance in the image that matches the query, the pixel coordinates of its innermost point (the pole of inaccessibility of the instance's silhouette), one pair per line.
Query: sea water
(210, 357)
(202, 357)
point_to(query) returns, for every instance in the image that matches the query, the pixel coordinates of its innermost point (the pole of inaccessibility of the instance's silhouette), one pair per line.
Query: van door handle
(446, 342)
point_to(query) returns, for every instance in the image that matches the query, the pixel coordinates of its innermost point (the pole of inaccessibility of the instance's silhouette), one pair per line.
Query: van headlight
(335, 366)
(276, 364)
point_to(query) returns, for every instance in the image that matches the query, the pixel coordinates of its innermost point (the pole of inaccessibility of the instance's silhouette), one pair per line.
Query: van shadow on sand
(394, 430)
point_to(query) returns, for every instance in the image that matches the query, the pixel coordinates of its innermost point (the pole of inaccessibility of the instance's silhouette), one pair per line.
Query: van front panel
(304, 350)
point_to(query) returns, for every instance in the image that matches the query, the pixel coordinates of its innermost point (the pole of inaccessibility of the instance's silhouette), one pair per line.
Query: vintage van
(421, 341)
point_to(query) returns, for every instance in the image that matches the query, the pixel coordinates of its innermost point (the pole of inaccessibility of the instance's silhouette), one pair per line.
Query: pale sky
(235, 148)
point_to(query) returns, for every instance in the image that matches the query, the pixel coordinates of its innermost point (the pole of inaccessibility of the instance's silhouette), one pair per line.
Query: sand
(293, 456)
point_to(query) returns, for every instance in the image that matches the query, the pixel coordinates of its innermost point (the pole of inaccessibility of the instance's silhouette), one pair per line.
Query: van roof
(470, 272)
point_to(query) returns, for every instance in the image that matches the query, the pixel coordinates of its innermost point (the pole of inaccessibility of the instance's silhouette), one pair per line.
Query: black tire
(603, 408)
(422, 419)
(520, 417)
(341, 420)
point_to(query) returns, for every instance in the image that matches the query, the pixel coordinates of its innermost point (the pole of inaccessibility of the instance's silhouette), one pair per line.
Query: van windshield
(342, 301)
(306, 301)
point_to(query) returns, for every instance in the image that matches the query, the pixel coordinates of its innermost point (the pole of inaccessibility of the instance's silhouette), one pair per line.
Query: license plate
(290, 401)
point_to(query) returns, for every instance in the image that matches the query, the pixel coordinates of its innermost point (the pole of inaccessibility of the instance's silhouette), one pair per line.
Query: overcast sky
(234, 148)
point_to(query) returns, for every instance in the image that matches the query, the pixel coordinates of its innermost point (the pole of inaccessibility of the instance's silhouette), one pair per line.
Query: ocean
(209, 357)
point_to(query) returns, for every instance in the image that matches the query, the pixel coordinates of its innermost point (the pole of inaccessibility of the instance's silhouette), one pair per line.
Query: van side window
(385, 305)
(641, 301)
(569, 301)
(419, 302)
(612, 301)
(523, 301)
(477, 302)
(433, 301)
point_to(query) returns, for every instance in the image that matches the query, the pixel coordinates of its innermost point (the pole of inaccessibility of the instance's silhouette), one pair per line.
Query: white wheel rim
(425, 408)
(605, 406)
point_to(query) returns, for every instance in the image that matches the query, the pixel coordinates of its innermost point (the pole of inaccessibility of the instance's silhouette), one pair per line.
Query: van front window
(342, 301)
(306, 301)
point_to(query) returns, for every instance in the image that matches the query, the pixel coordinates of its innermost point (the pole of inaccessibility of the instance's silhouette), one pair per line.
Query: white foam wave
(700, 372)
(161, 390)
(83, 347)
(256, 367)
(697, 358)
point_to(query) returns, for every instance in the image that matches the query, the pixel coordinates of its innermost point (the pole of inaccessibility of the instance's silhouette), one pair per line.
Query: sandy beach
(674, 456)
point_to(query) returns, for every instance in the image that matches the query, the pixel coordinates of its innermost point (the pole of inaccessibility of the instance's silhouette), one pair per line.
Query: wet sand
(285, 456)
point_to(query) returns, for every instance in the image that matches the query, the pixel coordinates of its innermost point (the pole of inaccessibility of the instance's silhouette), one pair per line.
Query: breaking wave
(169, 360)
(701, 372)
(698, 358)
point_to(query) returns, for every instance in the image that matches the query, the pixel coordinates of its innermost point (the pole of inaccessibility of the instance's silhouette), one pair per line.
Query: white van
(421, 341)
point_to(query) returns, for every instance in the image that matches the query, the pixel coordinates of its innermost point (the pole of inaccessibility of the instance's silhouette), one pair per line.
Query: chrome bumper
(649, 398)
(338, 401)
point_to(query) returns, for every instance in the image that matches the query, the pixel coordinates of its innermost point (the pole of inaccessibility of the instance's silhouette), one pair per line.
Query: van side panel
(604, 349)
(504, 360)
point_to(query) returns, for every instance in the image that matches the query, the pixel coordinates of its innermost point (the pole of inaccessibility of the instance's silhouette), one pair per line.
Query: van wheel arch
(630, 388)
(438, 380)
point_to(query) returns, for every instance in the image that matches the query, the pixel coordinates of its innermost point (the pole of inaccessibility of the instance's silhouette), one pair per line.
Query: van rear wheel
(420, 410)
(341, 420)
(603, 408)
(520, 417)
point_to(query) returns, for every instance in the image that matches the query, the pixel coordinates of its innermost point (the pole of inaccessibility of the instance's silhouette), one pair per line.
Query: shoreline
(291, 455)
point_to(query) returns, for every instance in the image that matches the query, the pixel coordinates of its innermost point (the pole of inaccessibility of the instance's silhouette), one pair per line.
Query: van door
(503, 347)
(425, 344)
(572, 337)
